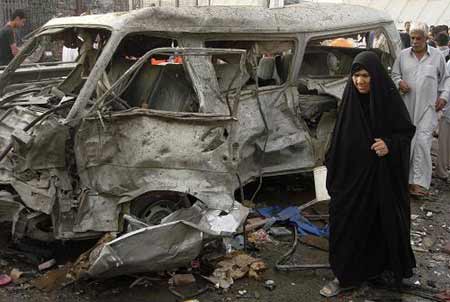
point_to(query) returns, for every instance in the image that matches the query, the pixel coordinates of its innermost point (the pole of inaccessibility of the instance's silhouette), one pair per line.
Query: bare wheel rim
(156, 211)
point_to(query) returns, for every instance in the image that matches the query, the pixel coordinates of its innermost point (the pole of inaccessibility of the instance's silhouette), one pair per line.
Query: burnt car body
(168, 106)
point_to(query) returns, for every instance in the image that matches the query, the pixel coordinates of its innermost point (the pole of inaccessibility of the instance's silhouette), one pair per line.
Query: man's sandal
(418, 191)
(332, 289)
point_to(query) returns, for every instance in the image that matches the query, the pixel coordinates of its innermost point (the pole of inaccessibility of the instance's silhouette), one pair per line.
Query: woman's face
(361, 80)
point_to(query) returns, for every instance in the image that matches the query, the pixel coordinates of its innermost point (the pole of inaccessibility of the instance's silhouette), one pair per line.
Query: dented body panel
(141, 151)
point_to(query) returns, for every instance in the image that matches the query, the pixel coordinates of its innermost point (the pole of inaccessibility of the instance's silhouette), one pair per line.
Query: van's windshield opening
(52, 68)
(57, 60)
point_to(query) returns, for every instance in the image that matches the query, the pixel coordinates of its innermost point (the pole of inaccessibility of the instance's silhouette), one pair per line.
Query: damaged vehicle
(166, 114)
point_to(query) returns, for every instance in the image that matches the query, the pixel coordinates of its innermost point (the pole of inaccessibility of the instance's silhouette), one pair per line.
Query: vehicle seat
(266, 72)
(138, 92)
(227, 74)
(283, 64)
(173, 91)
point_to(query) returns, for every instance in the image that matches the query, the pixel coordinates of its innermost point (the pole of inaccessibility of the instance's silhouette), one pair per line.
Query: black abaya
(369, 207)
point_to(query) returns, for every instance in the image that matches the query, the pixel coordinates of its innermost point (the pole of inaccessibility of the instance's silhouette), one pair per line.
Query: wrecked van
(166, 108)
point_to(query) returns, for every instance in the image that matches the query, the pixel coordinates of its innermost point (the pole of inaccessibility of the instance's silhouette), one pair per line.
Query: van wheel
(154, 207)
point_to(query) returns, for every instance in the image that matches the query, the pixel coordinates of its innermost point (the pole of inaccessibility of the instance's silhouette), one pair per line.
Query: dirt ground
(430, 233)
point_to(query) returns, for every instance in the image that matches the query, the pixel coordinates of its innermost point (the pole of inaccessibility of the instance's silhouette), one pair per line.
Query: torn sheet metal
(174, 243)
(9, 208)
(36, 198)
(96, 213)
(11, 119)
(334, 88)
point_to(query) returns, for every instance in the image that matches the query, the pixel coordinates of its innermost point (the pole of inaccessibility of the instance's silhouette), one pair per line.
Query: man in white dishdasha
(421, 74)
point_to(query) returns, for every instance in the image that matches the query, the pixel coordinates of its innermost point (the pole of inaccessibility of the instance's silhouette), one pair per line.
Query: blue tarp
(292, 215)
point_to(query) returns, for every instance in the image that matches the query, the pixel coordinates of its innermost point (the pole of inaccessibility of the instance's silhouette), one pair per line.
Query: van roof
(304, 17)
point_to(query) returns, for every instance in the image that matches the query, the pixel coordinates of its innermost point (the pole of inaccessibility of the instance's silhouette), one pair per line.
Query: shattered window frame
(196, 81)
(21, 63)
(387, 57)
(295, 47)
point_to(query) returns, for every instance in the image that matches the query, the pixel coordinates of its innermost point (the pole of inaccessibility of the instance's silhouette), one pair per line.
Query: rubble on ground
(231, 258)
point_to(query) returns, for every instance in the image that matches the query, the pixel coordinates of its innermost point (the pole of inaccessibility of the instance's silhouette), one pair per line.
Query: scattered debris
(5, 279)
(15, 274)
(81, 266)
(257, 269)
(279, 231)
(236, 266)
(428, 242)
(270, 284)
(444, 295)
(280, 265)
(293, 216)
(431, 283)
(314, 241)
(446, 248)
(53, 280)
(142, 281)
(255, 223)
(189, 295)
(236, 243)
(182, 279)
(175, 243)
(47, 264)
(259, 237)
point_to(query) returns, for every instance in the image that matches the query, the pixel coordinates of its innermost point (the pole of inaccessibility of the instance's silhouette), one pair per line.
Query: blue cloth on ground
(292, 215)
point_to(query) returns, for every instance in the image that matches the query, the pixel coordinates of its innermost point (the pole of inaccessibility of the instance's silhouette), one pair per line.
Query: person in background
(406, 39)
(367, 179)
(448, 32)
(421, 74)
(8, 42)
(440, 28)
(442, 44)
(407, 26)
(443, 158)
(404, 35)
(430, 40)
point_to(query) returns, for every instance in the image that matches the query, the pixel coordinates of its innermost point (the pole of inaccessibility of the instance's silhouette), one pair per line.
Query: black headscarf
(369, 208)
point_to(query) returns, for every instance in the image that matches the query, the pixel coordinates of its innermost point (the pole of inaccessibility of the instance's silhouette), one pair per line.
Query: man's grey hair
(419, 27)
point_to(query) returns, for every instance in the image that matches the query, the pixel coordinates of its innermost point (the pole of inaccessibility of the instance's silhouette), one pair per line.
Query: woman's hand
(380, 147)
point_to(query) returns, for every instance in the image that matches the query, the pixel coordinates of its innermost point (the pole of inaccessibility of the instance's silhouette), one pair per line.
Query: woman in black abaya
(368, 163)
